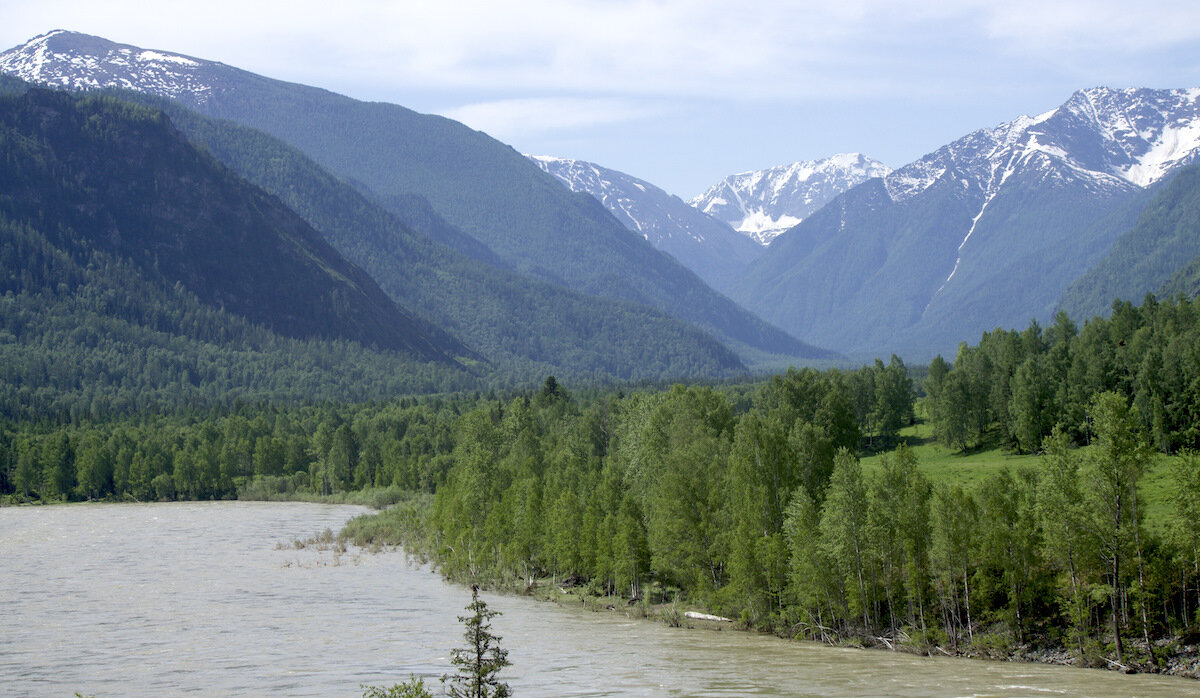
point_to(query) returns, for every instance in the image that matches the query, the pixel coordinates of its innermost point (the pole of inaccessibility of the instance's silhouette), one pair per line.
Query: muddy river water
(213, 599)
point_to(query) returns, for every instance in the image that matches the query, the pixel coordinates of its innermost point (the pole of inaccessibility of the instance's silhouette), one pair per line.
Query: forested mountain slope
(137, 273)
(101, 175)
(1185, 281)
(480, 185)
(524, 327)
(1144, 259)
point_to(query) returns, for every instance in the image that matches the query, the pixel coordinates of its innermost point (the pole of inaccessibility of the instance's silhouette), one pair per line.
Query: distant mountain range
(700, 242)
(480, 186)
(987, 231)
(764, 203)
(545, 263)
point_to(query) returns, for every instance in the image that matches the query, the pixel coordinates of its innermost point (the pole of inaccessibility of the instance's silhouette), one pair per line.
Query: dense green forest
(755, 505)
(92, 338)
(204, 455)
(1016, 387)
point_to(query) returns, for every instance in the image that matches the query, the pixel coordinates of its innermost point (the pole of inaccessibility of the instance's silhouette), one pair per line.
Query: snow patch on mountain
(639, 205)
(704, 244)
(764, 203)
(1111, 137)
(1101, 140)
(619, 192)
(1175, 145)
(80, 62)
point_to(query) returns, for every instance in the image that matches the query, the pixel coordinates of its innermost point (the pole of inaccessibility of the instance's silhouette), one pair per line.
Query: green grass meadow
(970, 469)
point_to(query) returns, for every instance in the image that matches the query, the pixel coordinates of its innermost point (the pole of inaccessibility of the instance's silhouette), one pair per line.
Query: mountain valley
(1004, 225)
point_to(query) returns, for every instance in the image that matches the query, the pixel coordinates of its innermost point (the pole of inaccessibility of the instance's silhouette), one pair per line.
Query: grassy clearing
(941, 464)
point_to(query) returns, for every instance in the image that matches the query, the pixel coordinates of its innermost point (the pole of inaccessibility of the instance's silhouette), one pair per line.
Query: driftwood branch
(1113, 662)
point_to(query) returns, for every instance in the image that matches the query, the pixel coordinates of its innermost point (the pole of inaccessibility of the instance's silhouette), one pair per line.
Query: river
(212, 598)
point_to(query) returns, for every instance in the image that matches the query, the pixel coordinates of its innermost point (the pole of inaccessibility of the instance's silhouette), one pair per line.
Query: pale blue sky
(677, 92)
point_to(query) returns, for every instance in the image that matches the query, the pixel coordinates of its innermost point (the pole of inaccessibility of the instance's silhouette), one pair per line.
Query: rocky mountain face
(764, 203)
(986, 231)
(480, 186)
(700, 242)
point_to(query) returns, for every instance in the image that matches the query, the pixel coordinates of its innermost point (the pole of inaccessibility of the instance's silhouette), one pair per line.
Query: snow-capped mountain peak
(704, 244)
(762, 204)
(76, 61)
(1114, 137)
(624, 195)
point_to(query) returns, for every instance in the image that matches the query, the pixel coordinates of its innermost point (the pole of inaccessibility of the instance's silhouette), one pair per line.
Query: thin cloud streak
(513, 120)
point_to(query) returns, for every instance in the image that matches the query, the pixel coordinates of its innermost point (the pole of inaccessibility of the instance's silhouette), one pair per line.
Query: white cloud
(781, 51)
(1109, 26)
(519, 119)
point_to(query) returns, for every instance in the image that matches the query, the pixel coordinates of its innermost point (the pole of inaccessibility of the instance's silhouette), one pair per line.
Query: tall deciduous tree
(1009, 532)
(813, 583)
(955, 519)
(1063, 518)
(844, 532)
(1119, 455)
(1185, 472)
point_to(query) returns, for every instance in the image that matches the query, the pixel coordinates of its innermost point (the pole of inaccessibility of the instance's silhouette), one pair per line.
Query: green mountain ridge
(1159, 252)
(526, 328)
(101, 175)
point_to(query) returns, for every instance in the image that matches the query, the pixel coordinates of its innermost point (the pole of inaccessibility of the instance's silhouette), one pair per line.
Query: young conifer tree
(479, 662)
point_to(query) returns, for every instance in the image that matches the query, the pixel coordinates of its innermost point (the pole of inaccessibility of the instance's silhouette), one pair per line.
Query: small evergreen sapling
(479, 662)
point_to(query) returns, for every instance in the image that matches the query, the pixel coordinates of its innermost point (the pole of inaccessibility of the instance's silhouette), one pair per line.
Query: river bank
(1174, 656)
(402, 527)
